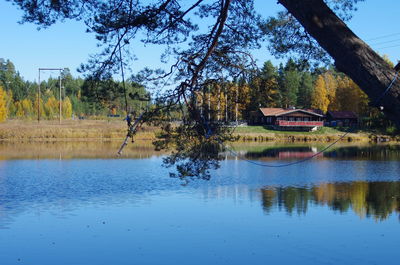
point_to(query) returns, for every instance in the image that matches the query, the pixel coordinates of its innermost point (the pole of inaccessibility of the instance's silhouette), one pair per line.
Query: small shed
(341, 118)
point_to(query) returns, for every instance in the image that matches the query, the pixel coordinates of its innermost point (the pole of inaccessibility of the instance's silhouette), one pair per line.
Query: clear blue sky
(67, 44)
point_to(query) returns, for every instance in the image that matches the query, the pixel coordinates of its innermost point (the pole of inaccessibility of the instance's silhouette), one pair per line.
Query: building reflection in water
(354, 152)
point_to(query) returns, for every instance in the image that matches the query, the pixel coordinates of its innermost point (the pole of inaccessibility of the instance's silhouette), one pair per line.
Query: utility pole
(38, 100)
(226, 105)
(219, 103)
(209, 104)
(236, 104)
(50, 69)
(60, 114)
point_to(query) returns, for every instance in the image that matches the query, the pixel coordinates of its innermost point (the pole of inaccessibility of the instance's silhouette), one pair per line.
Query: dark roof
(342, 114)
(318, 111)
(397, 67)
(281, 111)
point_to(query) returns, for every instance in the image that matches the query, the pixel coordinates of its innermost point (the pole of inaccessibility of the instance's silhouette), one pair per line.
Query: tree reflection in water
(375, 200)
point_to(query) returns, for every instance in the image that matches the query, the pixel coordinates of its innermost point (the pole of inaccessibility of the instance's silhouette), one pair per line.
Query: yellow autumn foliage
(27, 107)
(3, 105)
(67, 108)
(51, 107)
(41, 107)
(320, 98)
(331, 87)
(350, 97)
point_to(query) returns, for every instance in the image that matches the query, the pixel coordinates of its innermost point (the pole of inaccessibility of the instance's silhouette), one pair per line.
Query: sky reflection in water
(128, 211)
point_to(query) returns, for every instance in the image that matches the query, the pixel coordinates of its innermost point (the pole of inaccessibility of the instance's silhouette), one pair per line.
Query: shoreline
(115, 130)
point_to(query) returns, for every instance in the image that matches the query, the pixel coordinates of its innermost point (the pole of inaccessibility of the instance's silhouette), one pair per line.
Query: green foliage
(288, 38)
(82, 97)
(306, 90)
(264, 88)
(290, 83)
(217, 51)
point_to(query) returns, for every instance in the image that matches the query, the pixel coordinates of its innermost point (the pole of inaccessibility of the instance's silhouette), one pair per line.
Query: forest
(79, 97)
(286, 85)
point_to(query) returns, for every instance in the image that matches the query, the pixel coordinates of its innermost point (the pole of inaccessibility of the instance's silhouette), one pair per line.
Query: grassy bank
(108, 130)
(323, 134)
(79, 130)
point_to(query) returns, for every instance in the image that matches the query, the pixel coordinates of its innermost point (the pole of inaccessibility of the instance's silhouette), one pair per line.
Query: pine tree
(289, 85)
(264, 88)
(305, 91)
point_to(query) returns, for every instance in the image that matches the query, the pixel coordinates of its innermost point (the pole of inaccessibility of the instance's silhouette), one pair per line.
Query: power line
(383, 37)
(389, 47)
(383, 42)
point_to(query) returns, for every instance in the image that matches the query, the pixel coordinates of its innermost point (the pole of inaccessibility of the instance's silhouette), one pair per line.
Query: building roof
(397, 67)
(342, 114)
(281, 111)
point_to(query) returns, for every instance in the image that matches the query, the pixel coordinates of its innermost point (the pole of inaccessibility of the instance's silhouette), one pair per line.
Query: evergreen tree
(305, 91)
(264, 88)
(290, 83)
(12, 80)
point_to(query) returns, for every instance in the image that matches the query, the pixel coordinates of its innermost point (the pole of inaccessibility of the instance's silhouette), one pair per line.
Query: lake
(77, 203)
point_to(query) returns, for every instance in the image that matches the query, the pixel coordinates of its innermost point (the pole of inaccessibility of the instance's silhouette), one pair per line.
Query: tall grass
(68, 129)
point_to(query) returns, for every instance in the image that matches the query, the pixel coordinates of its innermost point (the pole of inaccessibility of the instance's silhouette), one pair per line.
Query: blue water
(128, 211)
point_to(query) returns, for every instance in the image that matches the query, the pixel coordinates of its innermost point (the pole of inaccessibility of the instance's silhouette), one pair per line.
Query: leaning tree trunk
(352, 55)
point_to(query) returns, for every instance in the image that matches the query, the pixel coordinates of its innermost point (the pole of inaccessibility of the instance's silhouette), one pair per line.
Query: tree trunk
(352, 56)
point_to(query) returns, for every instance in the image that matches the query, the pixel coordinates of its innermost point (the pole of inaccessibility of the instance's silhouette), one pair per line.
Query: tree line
(79, 97)
(286, 85)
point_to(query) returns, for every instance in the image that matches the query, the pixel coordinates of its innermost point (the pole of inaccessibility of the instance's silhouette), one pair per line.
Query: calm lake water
(76, 203)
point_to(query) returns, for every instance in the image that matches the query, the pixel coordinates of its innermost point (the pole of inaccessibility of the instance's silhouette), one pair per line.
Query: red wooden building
(288, 119)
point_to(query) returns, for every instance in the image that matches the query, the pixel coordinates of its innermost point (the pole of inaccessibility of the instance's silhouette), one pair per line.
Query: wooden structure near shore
(288, 119)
